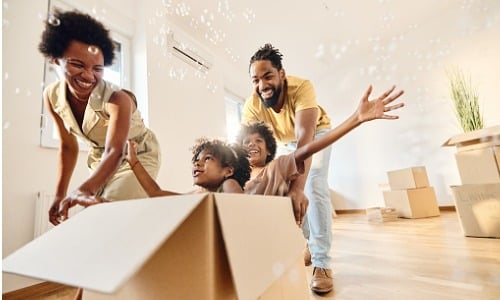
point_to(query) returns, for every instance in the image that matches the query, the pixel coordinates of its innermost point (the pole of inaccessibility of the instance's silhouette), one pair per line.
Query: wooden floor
(404, 259)
(411, 259)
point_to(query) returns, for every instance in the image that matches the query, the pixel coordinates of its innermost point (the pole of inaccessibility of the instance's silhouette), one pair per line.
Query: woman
(84, 105)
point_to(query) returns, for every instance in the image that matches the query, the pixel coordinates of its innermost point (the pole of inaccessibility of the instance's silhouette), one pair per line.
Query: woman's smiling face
(83, 67)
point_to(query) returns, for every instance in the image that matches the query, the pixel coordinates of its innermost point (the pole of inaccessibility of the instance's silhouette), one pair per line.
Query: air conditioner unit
(188, 52)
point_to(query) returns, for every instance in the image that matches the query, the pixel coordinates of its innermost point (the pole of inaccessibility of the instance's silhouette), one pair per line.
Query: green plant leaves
(465, 100)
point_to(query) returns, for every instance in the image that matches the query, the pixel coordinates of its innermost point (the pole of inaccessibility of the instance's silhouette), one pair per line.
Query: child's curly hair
(267, 52)
(63, 27)
(264, 131)
(234, 156)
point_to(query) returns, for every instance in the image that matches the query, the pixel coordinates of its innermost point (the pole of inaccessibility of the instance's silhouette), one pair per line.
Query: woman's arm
(120, 108)
(68, 156)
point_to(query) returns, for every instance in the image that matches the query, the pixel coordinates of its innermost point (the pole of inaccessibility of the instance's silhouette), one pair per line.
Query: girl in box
(217, 167)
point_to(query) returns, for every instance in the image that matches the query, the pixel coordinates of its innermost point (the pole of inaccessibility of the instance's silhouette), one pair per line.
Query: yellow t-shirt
(300, 95)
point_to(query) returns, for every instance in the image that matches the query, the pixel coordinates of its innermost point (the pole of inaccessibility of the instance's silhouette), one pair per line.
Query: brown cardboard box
(381, 214)
(478, 155)
(203, 246)
(478, 208)
(408, 178)
(413, 203)
(479, 166)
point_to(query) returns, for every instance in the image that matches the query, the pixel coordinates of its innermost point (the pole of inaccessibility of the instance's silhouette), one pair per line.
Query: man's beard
(270, 102)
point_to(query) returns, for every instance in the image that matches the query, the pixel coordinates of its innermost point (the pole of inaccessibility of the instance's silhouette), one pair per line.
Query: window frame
(233, 103)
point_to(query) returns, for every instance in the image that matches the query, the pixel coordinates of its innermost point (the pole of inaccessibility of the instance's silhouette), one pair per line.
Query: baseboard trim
(363, 211)
(447, 208)
(350, 211)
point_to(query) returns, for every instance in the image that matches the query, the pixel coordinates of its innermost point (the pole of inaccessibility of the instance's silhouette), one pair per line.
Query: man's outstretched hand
(376, 108)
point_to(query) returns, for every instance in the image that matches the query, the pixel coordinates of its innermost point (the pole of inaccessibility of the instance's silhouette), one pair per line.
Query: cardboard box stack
(477, 200)
(410, 193)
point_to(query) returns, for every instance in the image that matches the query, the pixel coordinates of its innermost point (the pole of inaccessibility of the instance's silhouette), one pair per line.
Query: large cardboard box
(205, 246)
(478, 208)
(478, 155)
(413, 203)
(408, 178)
(479, 166)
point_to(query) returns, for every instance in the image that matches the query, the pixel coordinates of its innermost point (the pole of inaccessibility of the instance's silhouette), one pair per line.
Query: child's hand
(131, 152)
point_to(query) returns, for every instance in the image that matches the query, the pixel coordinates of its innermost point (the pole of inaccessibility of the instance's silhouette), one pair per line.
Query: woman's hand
(78, 197)
(54, 216)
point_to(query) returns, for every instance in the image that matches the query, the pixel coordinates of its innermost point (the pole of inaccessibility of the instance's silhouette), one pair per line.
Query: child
(217, 167)
(273, 176)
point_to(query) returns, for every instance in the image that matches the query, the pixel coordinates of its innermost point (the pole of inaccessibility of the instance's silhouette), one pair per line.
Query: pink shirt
(275, 178)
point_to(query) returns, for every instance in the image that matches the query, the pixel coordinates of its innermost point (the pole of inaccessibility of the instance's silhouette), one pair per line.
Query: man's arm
(305, 129)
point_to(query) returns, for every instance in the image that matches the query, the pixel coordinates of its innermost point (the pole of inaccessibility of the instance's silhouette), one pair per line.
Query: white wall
(181, 107)
(416, 62)
(26, 168)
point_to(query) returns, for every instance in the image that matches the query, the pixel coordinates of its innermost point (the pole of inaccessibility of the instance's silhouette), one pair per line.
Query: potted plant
(465, 100)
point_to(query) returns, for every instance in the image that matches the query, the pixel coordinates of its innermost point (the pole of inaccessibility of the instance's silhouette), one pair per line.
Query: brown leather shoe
(307, 256)
(322, 280)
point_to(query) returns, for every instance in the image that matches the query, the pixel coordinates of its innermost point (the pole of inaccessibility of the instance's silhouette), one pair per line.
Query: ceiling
(314, 36)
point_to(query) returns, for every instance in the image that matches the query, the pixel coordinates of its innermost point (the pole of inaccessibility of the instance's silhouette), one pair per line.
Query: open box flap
(261, 237)
(480, 135)
(104, 245)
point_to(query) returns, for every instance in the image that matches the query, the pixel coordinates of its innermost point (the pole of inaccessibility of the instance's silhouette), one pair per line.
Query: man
(288, 104)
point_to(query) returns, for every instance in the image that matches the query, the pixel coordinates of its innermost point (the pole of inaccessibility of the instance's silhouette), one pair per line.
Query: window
(234, 107)
(116, 73)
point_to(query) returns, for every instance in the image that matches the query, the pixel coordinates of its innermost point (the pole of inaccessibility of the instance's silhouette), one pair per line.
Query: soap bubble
(53, 20)
(278, 269)
(93, 50)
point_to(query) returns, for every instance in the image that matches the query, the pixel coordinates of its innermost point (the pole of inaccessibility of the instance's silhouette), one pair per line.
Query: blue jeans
(317, 224)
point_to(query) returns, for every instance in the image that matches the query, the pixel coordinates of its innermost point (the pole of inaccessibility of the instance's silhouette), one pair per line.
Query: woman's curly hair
(233, 155)
(268, 52)
(63, 27)
(264, 131)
